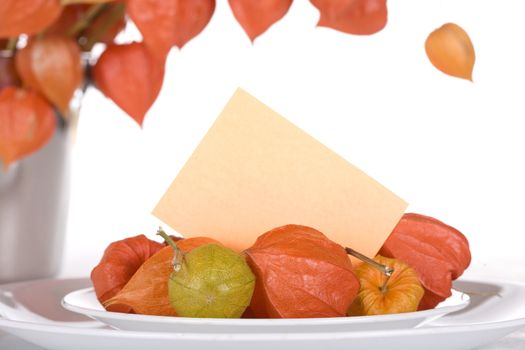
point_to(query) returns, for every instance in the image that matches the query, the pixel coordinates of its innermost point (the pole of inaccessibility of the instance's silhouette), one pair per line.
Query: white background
(453, 149)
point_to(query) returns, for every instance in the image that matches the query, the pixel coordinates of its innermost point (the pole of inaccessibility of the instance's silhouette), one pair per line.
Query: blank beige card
(254, 171)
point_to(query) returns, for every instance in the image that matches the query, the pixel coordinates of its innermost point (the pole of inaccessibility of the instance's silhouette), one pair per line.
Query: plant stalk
(178, 257)
(387, 271)
(84, 21)
(115, 15)
(11, 44)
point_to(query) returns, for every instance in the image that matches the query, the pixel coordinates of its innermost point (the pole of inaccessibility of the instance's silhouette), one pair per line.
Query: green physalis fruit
(210, 281)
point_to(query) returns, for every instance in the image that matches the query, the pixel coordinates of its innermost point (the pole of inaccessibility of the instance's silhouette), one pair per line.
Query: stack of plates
(64, 314)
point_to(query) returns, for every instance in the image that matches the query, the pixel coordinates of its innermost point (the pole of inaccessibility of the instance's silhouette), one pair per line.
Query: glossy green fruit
(213, 281)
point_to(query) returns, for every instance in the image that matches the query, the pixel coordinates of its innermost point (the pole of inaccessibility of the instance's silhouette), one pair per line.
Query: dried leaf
(52, 66)
(165, 23)
(27, 16)
(27, 123)
(450, 50)
(362, 17)
(131, 77)
(146, 292)
(378, 295)
(257, 16)
(438, 253)
(8, 74)
(119, 263)
(300, 273)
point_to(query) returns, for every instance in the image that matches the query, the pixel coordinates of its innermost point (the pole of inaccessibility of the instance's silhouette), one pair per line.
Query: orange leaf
(52, 65)
(362, 17)
(27, 122)
(147, 291)
(27, 16)
(300, 274)
(165, 23)
(129, 76)
(450, 50)
(257, 16)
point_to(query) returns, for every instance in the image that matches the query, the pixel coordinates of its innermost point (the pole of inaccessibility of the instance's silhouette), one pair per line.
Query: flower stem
(84, 21)
(178, 258)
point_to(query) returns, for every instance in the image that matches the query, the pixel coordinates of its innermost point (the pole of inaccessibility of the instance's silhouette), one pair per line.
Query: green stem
(117, 12)
(84, 21)
(11, 44)
(178, 258)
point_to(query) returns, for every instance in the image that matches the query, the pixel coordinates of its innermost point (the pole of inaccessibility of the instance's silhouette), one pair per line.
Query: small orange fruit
(380, 295)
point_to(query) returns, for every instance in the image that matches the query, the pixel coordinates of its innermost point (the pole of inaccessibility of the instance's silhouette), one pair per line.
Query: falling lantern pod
(450, 50)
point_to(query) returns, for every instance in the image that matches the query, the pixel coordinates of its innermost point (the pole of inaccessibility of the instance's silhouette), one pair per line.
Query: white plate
(32, 312)
(85, 302)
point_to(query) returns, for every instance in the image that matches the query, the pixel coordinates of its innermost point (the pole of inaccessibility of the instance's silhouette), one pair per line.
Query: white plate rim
(252, 322)
(50, 328)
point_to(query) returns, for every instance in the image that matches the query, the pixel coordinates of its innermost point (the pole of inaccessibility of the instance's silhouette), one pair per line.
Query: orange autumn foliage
(300, 273)
(437, 252)
(257, 16)
(119, 263)
(52, 66)
(378, 295)
(27, 122)
(147, 291)
(131, 77)
(361, 17)
(27, 16)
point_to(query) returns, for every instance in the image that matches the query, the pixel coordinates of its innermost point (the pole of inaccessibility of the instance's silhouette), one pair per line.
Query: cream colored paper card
(254, 171)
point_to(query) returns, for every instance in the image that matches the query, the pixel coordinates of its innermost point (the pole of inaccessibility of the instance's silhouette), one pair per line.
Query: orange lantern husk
(147, 291)
(27, 16)
(437, 252)
(167, 23)
(256, 17)
(450, 50)
(300, 273)
(130, 77)
(27, 123)
(380, 295)
(361, 17)
(52, 65)
(119, 263)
